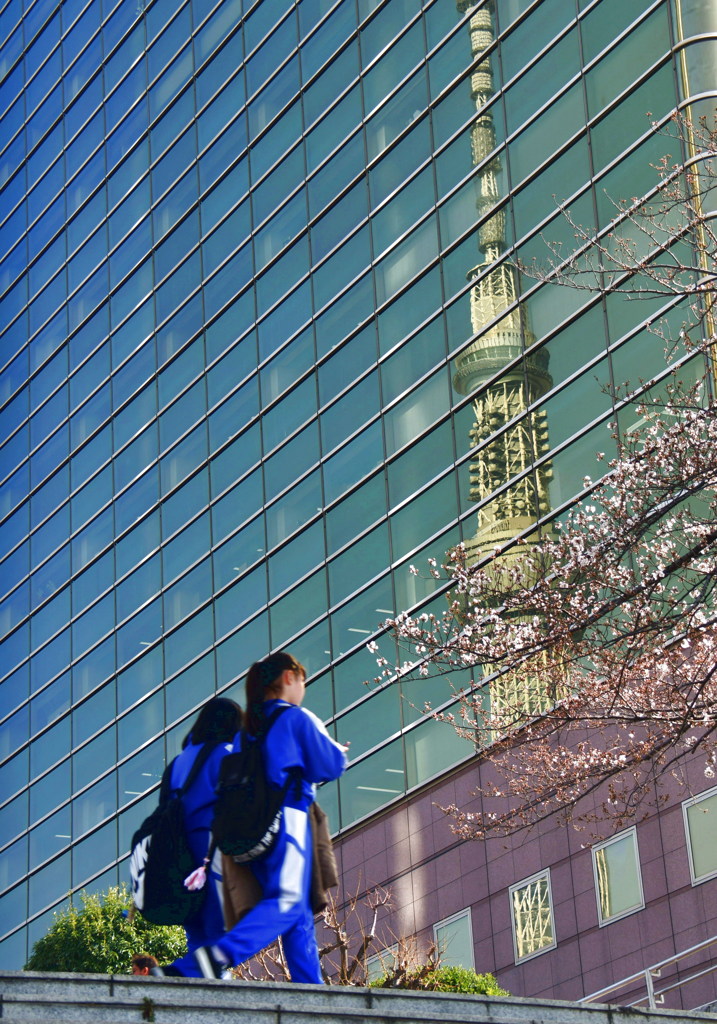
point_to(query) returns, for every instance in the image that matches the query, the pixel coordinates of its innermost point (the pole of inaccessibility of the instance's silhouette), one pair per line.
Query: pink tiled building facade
(552, 912)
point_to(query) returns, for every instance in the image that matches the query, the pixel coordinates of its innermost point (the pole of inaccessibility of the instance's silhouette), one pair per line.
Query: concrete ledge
(34, 998)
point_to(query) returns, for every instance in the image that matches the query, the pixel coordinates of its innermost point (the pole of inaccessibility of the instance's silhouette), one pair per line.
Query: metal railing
(656, 997)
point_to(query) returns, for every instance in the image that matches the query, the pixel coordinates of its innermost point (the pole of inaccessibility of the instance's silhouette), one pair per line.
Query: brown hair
(144, 961)
(261, 683)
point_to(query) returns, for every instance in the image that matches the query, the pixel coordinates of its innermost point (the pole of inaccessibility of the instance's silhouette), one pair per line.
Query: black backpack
(248, 811)
(160, 857)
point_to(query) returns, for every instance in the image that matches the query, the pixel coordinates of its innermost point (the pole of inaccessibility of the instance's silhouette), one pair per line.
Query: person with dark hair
(217, 724)
(297, 746)
(142, 963)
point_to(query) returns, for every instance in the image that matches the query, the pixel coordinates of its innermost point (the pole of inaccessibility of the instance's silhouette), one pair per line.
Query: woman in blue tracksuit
(297, 740)
(217, 724)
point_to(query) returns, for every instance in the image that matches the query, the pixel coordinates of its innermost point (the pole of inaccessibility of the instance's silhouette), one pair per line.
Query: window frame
(603, 845)
(522, 884)
(460, 916)
(686, 804)
(385, 957)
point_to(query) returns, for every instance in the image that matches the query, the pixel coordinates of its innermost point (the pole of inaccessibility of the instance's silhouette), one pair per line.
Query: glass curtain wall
(250, 255)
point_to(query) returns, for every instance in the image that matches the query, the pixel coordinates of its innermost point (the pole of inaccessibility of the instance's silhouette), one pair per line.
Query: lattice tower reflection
(503, 332)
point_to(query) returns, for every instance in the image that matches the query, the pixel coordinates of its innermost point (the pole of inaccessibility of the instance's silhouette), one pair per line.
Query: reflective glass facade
(265, 344)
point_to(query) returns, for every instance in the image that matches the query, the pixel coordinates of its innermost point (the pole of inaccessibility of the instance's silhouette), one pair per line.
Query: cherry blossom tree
(590, 647)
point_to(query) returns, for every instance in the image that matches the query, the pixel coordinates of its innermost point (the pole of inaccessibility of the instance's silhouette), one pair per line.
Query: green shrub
(101, 937)
(443, 979)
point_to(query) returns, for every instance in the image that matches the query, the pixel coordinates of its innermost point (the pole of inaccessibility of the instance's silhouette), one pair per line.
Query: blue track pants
(285, 909)
(209, 922)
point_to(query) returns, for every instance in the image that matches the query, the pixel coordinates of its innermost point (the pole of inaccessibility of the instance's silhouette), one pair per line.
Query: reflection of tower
(494, 301)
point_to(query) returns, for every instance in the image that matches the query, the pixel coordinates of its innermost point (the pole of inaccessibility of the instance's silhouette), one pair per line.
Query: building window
(380, 964)
(700, 816)
(454, 940)
(618, 883)
(532, 916)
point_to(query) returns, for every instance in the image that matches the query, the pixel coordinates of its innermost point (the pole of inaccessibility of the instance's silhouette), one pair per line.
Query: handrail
(648, 975)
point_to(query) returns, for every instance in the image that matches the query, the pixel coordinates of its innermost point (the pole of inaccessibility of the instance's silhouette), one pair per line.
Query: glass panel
(543, 80)
(531, 35)
(284, 320)
(431, 748)
(394, 64)
(240, 601)
(140, 773)
(327, 40)
(372, 722)
(287, 366)
(408, 419)
(55, 878)
(240, 650)
(420, 463)
(573, 464)
(547, 134)
(628, 121)
(50, 703)
(356, 460)
(368, 785)
(351, 674)
(700, 819)
(350, 412)
(50, 837)
(617, 873)
(299, 505)
(280, 230)
(405, 261)
(340, 320)
(393, 117)
(454, 939)
(339, 221)
(361, 616)
(95, 804)
(191, 590)
(284, 132)
(14, 817)
(93, 853)
(234, 556)
(331, 82)
(298, 609)
(341, 268)
(336, 174)
(189, 689)
(455, 53)
(289, 413)
(46, 793)
(142, 677)
(94, 758)
(425, 515)
(622, 63)
(412, 590)
(532, 916)
(355, 513)
(291, 461)
(145, 721)
(52, 747)
(365, 559)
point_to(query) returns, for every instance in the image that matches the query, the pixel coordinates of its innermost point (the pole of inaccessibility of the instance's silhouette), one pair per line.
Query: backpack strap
(267, 724)
(294, 774)
(199, 762)
(166, 791)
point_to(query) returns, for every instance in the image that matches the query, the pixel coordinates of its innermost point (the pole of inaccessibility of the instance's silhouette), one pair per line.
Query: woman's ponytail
(262, 683)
